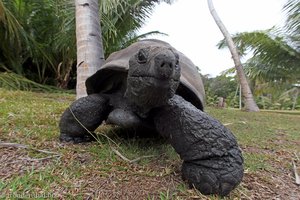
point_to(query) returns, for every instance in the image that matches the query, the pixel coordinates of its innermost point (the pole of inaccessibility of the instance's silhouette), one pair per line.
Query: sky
(192, 30)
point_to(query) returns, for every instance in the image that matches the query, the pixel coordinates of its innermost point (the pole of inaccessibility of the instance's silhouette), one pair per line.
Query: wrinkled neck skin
(144, 95)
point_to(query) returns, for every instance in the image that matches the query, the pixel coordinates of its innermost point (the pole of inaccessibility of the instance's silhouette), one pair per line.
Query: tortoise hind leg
(86, 113)
(212, 160)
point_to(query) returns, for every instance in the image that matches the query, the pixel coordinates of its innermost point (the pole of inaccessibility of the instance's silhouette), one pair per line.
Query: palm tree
(12, 36)
(292, 24)
(125, 18)
(273, 58)
(38, 38)
(90, 55)
(274, 67)
(28, 31)
(249, 102)
(276, 51)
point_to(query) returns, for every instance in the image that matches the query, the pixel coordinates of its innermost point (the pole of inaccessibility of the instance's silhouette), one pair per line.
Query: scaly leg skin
(212, 160)
(87, 111)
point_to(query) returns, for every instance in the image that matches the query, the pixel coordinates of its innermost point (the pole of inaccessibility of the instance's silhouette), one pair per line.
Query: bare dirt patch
(16, 162)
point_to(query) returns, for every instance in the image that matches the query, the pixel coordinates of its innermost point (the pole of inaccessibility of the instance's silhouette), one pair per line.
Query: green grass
(269, 141)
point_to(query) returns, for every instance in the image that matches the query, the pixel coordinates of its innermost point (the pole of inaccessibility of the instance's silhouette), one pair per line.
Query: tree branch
(22, 146)
(126, 159)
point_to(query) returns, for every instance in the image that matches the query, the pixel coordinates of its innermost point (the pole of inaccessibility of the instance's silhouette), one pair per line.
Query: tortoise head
(153, 76)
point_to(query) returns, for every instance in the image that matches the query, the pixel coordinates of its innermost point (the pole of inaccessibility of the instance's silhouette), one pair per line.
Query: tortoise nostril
(165, 69)
(166, 65)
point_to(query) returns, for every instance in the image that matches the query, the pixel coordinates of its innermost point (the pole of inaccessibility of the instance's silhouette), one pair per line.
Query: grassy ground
(270, 142)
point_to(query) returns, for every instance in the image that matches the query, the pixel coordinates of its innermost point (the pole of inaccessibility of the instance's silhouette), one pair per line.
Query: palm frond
(38, 37)
(12, 37)
(292, 23)
(272, 55)
(14, 81)
(123, 20)
(292, 10)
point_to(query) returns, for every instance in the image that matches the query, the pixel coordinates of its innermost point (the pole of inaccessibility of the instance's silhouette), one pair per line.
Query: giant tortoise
(152, 85)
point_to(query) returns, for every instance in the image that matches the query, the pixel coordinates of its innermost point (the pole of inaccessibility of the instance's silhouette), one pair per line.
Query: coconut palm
(249, 103)
(274, 59)
(12, 36)
(28, 30)
(275, 64)
(38, 37)
(90, 55)
(292, 24)
(125, 18)
(276, 51)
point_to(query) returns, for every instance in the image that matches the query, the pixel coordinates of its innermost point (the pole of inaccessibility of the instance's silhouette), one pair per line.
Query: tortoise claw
(77, 139)
(211, 181)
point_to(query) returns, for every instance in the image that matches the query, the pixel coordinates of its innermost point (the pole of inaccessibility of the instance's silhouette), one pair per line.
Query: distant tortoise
(152, 85)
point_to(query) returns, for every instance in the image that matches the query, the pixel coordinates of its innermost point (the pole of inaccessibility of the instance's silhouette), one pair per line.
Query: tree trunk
(295, 98)
(250, 104)
(90, 55)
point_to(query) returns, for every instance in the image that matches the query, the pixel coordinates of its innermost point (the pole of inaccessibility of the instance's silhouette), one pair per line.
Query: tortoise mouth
(153, 82)
(149, 77)
(147, 92)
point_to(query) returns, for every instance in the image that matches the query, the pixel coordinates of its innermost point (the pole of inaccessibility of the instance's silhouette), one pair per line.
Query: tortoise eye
(142, 56)
(177, 60)
(177, 64)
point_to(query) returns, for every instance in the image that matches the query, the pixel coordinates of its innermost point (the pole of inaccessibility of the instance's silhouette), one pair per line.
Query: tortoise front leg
(212, 160)
(83, 117)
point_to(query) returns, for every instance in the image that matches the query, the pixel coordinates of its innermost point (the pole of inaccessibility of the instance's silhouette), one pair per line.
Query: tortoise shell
(113, 73)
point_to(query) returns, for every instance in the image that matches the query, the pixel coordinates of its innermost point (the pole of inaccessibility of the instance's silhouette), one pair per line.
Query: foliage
(221, 86)
(292, 25)
(38, 37)
(124, 18)
(274, 65)
(280, 98)
(273, 58)
(276, 52)
(14, 81)
(32, 49)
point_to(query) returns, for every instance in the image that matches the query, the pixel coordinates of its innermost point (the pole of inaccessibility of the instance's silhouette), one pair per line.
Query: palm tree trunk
(250, 104)
(90, 55)
(295, 98)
